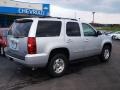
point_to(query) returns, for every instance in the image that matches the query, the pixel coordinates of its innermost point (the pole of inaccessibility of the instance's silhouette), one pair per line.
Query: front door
(92, 42)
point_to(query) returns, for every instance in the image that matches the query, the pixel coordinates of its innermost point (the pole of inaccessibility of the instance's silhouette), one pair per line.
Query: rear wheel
(105, 54)
(2, 52)
(57, 65)
(0, 49)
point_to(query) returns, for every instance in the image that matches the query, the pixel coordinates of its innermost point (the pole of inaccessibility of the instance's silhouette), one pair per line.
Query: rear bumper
(35, 60)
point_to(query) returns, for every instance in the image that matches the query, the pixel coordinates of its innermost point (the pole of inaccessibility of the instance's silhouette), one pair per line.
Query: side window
(88, 30)
(48, 28)
(73, 29)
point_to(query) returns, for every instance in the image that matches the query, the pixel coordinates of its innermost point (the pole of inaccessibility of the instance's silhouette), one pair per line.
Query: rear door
(74, 40)
(17, 38)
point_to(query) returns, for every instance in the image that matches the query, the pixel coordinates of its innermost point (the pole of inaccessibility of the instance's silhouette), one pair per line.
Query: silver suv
(54, 42)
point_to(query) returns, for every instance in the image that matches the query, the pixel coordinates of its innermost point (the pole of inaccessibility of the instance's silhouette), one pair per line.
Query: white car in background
(115, 35)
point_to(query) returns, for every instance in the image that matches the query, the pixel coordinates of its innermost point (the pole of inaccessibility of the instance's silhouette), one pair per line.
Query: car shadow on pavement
(29, 77)
(82, 64)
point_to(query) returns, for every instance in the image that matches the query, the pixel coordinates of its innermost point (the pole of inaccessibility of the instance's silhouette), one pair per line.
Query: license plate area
(14, 44)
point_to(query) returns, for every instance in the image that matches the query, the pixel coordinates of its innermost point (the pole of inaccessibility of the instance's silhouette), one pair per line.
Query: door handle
(86, 40)
(69, 41)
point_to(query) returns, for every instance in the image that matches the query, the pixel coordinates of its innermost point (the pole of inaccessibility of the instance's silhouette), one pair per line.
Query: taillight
(31, 45)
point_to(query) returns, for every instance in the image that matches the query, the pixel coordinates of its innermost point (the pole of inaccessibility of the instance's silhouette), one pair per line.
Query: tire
(113, 37)
(105, 54)
(2, 51)
(57, 65)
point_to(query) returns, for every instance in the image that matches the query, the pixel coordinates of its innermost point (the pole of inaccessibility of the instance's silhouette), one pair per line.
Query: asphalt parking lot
(88, 75)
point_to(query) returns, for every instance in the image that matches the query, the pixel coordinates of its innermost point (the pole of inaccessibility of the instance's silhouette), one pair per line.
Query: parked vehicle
(115, 35)
(106, 32)
(3, 40)
(55, 42)
(103, 31)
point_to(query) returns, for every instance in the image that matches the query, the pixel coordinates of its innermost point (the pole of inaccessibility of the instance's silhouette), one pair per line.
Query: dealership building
(11, 10)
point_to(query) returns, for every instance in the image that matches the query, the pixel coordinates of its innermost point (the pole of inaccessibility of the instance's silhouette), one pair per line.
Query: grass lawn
(108, 28)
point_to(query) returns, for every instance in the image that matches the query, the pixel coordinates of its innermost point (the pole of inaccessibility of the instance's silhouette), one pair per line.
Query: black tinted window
(73, 29)
(20, 28)
(88, 30)
(48, 28)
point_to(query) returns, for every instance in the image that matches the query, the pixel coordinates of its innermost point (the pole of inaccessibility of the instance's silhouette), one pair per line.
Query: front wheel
(57, 65)
(105, 54)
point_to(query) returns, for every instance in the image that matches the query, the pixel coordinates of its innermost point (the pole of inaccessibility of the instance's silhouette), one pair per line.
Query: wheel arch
(59, 50)
(107, 44)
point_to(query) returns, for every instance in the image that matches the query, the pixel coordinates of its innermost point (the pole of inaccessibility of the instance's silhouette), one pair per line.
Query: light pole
(93, 16)
(75, 14)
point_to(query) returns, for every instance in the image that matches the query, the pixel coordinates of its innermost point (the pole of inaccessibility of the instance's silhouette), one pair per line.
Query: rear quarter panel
(45, 45)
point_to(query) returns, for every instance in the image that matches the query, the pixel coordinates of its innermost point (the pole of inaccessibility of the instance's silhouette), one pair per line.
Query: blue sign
(13, 10)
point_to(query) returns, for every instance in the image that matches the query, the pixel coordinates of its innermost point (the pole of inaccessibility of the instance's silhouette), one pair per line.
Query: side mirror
(99, 33)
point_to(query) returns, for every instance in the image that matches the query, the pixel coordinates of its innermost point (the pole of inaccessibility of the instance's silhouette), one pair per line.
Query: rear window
(5, 33)
(20, 28)
(73, 29)
(48, 28)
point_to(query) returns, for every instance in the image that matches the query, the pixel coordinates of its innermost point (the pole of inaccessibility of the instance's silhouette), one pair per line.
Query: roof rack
(64, 18)
(54, 17)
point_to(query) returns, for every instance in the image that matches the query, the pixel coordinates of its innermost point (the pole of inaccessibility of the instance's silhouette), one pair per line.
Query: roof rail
(64, 18)
(54, 17)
